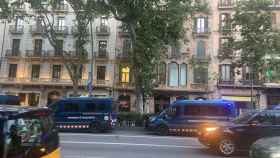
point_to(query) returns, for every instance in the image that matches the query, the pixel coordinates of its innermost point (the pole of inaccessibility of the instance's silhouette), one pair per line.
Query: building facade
(32, 69)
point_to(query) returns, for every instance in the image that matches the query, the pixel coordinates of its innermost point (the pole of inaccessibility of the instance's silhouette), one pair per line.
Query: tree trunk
(75, 89)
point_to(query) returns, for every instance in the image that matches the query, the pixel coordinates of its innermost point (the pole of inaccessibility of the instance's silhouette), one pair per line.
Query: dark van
(9, 100)
(185, 116)
(85, 113)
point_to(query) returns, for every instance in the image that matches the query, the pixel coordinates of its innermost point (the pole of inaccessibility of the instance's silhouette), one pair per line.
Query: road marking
(127, 136)
(134, 144)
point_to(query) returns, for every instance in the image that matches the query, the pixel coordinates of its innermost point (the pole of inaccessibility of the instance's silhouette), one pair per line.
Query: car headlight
(211, 129)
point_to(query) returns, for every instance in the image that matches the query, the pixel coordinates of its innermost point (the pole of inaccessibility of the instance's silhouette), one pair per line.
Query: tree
(84, 11)
(255, 42)
(152, 24)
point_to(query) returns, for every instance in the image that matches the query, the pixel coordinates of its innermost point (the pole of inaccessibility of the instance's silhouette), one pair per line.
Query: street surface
(122, 144)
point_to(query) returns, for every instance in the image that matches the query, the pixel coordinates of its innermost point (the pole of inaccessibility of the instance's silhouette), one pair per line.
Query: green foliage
(259, 40)
(138, 118)
(152, 24)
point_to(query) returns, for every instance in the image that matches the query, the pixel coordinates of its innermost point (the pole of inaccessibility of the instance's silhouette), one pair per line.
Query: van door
(68, 113)
(174, 119)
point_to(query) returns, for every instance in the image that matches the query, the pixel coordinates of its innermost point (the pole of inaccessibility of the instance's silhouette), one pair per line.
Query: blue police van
(84, 113)
(185, 116)
(9, 100)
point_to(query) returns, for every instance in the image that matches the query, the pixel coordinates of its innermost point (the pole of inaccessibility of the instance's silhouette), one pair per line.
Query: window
(200, 50)
(226, 72)
(71, 107)
(200, 75)
(201, 25)
(90, 107)
(59, 48)
(124, 103)
(162, 73)
(225, 21)
(101, 73)
(60, 23)
(15, 47)
(223, 42)
(56, 74)
(103, 22)
(173, 75)
(19, 23)
(13, 71)
(175, 50)
(102, 47)
(204, 110)
(126, 46)
(125, 74)
(226, 2)
(273, 19)
(38, 46)
(183, 74)
(35, 72)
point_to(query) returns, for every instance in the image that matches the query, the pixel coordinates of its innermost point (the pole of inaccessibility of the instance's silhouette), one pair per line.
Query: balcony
(12, 53)
(226, 4)
(61, 30)
(35, 54)
(37, 30)
(101, 83)
(201, 59)
(122, 56)
(243, 83)
(103, 31)
(102, 54)
(16, 29)
(200, 87)
(124, 33)
(61, 8)
(74, 30)
(226, 30)
(201, 32)
(225, 53)
(226, 82)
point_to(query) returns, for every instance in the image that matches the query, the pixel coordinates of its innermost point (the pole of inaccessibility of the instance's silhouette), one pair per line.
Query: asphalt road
(131, 145)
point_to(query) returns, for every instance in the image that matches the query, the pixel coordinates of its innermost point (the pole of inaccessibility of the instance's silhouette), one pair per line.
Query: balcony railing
(226, 4)
(240, 83)
(124, 32)
(37, 30)
(63, 30)
(225, 30)
(102, 54)
(201, 32)
(74, 30)
(13, 53)
(61, 8)
(199, 87)
(103, 30)
(201, 59)
(16, 29)
(34, 53)
(122, 56)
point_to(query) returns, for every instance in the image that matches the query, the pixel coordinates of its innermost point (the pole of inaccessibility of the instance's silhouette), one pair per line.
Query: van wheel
(162, 130)
(226, 147)
(95, 128)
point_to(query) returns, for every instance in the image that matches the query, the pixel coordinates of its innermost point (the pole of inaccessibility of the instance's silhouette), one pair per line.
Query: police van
(84, 113)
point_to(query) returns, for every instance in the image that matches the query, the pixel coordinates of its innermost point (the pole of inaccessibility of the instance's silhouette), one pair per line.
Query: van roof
(211, 101)
(88, 98)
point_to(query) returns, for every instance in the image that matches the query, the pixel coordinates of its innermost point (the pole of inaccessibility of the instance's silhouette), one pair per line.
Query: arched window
(183, 74)
(173, 75)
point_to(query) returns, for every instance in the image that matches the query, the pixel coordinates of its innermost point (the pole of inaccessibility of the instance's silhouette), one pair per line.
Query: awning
(237, 98)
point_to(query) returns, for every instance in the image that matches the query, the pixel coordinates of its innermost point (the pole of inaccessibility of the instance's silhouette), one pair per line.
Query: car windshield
(244, 118)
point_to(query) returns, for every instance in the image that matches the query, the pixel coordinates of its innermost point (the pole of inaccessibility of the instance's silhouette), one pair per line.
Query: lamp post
(90, 84)
(3, 42)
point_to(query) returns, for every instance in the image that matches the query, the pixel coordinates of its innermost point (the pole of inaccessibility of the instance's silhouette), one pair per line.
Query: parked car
(266, 148)
(276, 107)
(85, 113)
(185, 116)
(240, 134)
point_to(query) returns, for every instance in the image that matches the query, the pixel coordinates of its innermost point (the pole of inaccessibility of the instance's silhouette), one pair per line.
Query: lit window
(125, 74)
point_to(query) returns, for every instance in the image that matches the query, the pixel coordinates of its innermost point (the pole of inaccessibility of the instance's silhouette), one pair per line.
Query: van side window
(204, 110)
(101, 107)
(71, 107)
(90, 107)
